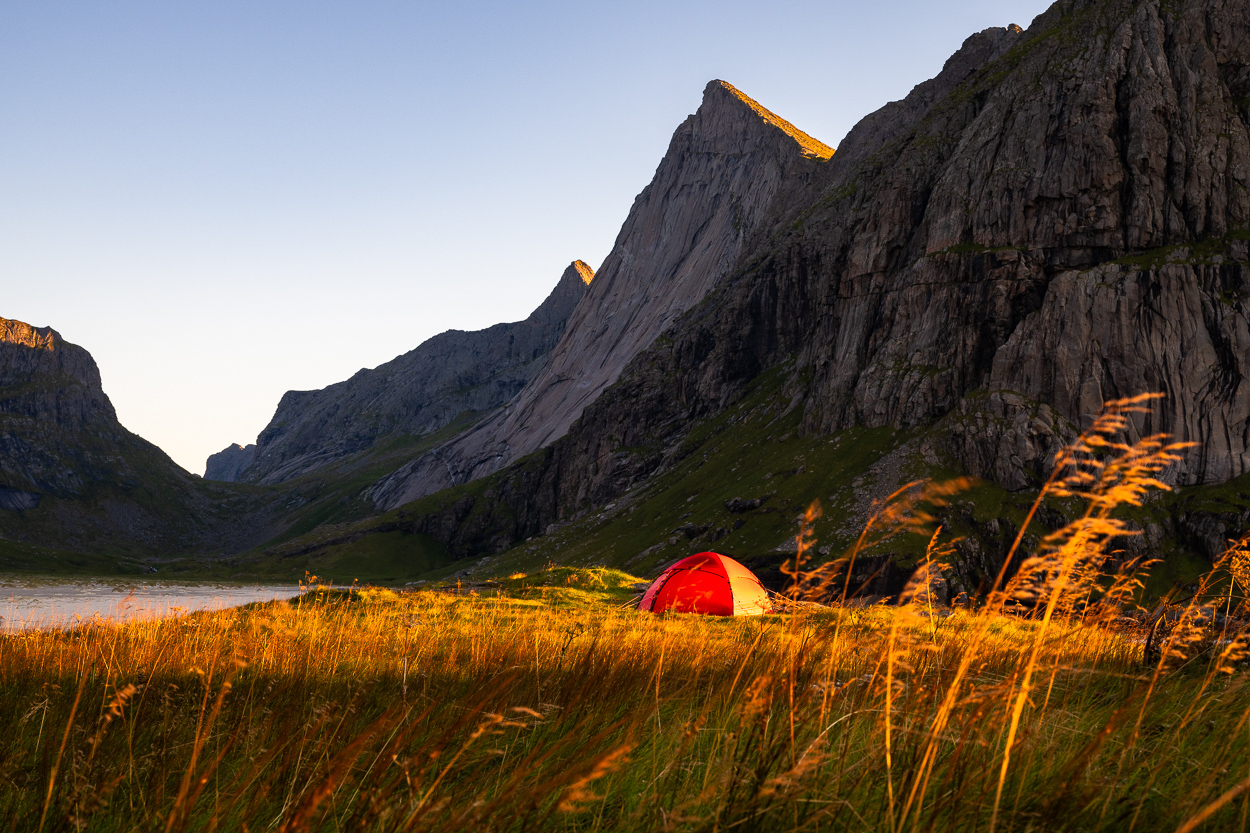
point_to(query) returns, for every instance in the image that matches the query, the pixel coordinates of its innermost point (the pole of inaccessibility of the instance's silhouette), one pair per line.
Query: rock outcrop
(226, 465)
(726, 167)
(447, 376)
(15, 500)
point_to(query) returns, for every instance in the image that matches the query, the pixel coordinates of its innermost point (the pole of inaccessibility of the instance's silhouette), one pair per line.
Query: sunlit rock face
(450, 375)
(725, 168)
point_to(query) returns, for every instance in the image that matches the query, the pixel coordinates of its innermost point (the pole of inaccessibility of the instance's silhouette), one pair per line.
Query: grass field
(545, 705)
(545, 701)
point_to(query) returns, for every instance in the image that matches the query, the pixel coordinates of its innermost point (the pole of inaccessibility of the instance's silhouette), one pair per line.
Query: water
(30, 604)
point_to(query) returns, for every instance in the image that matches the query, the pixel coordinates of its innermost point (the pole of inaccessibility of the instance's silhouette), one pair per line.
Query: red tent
(707, 583)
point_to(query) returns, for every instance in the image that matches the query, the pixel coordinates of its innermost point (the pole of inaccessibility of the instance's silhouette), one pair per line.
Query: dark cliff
(73, 478)
(50, 397)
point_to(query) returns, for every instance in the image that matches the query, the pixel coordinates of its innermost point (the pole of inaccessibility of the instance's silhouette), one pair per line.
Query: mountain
(425, 389)
(1060, 217)
(726, 168)
(73, 478)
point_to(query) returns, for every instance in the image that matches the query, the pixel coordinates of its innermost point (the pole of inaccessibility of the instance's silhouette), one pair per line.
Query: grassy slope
(333, 494)
(329, 499)
(27, 559)
(148, 506)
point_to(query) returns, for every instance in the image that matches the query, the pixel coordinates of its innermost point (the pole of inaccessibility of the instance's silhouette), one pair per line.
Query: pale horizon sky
(225, 201)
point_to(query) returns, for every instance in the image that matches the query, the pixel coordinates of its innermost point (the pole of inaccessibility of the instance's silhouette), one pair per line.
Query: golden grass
(433, 710)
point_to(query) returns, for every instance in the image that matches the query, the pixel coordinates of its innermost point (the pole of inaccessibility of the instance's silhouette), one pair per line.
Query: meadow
(545, 702)
(551, 707)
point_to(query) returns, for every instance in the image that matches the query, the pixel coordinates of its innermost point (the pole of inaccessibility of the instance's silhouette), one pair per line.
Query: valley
(953, 417)
(776, 323)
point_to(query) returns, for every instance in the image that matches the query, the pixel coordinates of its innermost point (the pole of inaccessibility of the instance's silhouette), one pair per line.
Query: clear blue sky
(223, 201)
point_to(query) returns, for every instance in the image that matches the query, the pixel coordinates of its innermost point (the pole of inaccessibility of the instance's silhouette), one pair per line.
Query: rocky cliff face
(1059, 218)
(419, 392)
(226, 465)
(50, 393)
(726, 167)
(1062, 230)
(72, 477)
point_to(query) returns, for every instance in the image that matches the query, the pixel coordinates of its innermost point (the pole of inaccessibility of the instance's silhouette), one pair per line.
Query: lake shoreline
(58, 603)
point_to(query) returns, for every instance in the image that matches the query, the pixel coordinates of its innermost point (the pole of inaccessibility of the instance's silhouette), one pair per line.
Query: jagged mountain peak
(229, 463)
(717, 183)
(583, 271)
(576, 278)
(718, 91)
(573, 285)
